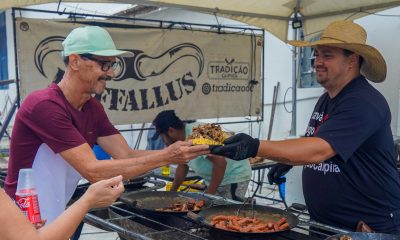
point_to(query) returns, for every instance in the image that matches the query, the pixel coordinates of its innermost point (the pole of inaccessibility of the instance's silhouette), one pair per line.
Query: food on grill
(247, 225)
(209, 134)
(189, 205)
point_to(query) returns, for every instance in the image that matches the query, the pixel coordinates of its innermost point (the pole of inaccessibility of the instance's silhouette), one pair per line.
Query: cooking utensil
(251, 200)
(264, 213)
(365, 236)
(148, 202)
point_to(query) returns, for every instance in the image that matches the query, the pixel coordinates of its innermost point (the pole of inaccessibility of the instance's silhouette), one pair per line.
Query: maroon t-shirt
(47, 117)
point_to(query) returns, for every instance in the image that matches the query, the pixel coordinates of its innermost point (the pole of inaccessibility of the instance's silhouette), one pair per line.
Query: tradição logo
(228, 70)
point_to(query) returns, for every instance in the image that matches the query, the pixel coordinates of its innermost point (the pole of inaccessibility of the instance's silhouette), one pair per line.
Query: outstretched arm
(15, 225)
(83, 160)
(293, 151)
(218, 172)
(118, 148)
(297, 151)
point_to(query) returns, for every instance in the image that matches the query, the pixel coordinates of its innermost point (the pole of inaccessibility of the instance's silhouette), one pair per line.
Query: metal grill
(131, 224)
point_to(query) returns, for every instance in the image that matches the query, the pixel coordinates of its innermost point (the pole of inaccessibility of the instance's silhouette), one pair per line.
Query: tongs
(250, 200)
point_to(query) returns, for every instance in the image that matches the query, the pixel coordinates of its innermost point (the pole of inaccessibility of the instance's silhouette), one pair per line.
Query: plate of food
(208, 134)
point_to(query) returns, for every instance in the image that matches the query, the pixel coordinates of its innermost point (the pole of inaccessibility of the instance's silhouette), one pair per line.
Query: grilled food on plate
(209, 134)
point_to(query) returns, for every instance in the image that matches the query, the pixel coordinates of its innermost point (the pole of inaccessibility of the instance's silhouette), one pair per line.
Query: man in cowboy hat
(348, 154)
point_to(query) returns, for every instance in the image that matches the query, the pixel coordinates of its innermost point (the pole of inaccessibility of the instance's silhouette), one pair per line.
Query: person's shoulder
(37, 97)
(363, 90)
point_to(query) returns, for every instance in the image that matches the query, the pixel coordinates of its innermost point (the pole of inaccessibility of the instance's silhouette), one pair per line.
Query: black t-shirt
(361, 181)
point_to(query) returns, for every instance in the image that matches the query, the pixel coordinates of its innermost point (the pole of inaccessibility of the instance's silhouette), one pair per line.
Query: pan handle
(197, 218)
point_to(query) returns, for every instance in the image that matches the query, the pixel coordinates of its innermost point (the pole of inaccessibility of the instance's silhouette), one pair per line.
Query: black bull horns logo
(139, 67)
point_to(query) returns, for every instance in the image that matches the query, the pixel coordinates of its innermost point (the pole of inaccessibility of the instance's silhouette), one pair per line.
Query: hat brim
(112, 53)
(373, 66)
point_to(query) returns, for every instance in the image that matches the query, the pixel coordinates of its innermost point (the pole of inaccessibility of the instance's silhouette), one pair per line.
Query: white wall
(383, 34)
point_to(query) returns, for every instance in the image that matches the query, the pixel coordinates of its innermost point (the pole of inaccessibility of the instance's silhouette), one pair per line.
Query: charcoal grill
(131, 224)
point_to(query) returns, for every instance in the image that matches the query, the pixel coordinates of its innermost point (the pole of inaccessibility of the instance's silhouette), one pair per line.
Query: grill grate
(131, 224)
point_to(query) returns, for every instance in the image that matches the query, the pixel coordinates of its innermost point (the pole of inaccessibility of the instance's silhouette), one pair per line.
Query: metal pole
(294, 87)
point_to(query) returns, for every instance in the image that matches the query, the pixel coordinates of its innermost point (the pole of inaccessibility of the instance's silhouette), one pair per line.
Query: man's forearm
(296, 151)
(128, 168)
(83, 160)
(140, 153)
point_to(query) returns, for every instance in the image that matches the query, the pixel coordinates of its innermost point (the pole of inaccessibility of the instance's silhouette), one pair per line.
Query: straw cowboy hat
(351, 36)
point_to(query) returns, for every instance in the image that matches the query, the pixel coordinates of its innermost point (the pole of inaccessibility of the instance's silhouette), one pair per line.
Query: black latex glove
(238, 147)
(276, 172)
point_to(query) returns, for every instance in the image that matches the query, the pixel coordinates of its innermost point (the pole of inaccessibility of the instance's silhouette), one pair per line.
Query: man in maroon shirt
(56, 128)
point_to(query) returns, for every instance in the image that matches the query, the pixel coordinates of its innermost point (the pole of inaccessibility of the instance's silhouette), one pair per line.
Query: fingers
(114, 182)
(216, 149)
(183, 152)
(222, 150)
(40, 224)
(200, 148)
(104, 192)
(276, 172)
(237, 138)
(182, 143)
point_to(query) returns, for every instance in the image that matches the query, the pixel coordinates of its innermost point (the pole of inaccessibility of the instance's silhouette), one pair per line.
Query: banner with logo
(199, 74)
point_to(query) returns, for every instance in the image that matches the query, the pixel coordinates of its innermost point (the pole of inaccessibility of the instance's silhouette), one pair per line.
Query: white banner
(200, 74)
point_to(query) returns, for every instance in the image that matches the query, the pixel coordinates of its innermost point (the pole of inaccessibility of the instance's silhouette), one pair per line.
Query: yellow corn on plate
(200, 141)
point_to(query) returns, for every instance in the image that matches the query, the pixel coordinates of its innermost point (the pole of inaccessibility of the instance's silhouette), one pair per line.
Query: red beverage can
(27, 200)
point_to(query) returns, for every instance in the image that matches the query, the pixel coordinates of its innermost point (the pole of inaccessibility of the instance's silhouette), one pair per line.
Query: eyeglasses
(105, 65)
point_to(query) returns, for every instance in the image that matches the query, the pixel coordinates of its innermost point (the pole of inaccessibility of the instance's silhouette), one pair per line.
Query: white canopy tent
(275, 16)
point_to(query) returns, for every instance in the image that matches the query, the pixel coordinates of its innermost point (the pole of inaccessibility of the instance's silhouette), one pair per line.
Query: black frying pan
(261, 212)
(138, 181)
(148, 202)
(365, 236)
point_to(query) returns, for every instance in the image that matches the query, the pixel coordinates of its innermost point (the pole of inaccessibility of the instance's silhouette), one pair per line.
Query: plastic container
(100, 153)
(282, 188)
(165, 170)
(26, 195)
